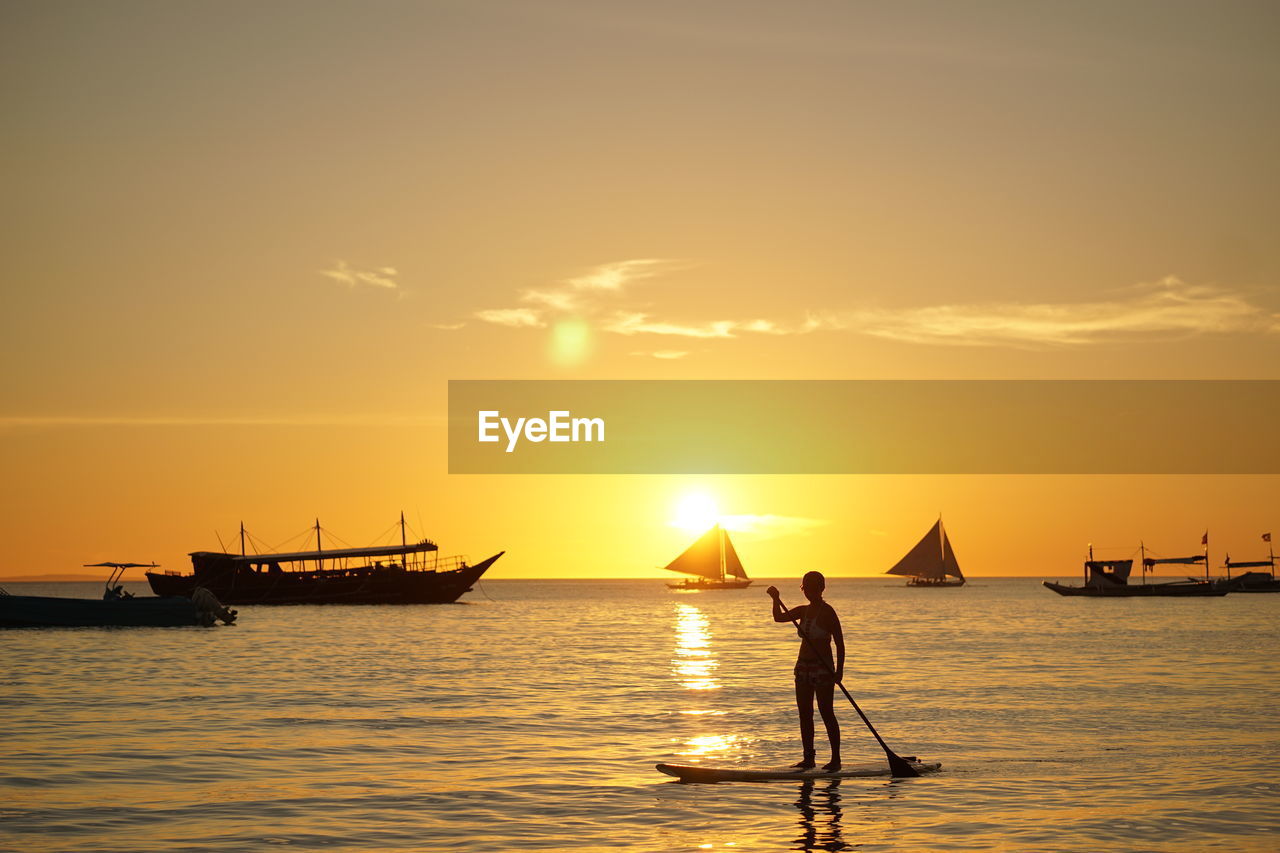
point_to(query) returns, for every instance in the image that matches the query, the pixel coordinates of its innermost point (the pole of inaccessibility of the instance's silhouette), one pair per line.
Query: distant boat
(406, 575)
(116, 608)
(1110, 579)
(712, 562)
(1251, 581)
(931, 563)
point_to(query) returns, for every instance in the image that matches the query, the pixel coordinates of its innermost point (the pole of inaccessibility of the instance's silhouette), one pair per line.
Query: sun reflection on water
(693, 664)
(708, 745)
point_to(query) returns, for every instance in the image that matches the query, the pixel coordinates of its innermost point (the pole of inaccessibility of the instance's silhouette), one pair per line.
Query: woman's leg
(804, 704)
(826, 707)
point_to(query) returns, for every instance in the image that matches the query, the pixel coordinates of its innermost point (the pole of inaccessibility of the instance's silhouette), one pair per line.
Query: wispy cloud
(382, 277)
(580, 294)
(448, 327)
(516, 318)
(634, 323)
(668, 354)
(771, 526)
(1168, 308)
(615, 275)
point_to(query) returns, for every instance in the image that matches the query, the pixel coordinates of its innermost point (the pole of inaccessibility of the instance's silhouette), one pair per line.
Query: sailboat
(931, 562)
(712, 562)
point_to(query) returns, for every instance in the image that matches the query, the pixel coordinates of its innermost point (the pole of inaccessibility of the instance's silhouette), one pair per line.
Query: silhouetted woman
(816, 672)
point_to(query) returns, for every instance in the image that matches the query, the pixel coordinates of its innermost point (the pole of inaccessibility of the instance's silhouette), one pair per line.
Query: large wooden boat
(116, 608)
(712, 562)
(408, 573)
(931, 563)
(1110, 579)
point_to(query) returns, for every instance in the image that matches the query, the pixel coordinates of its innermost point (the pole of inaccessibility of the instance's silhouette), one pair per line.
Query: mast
(1086, 564)
(721, 529)
(942, 537)
(404, 558)
(1142, 546)
(319, 560)
(1205, 543)
(242, 539)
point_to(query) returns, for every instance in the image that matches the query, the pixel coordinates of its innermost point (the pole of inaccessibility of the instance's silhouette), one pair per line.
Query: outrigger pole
(898, 766)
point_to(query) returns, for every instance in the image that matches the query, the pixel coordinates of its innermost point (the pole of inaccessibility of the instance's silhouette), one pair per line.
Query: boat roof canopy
(336, 553)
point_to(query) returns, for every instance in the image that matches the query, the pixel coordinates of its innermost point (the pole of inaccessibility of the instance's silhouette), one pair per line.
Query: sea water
(530, 716)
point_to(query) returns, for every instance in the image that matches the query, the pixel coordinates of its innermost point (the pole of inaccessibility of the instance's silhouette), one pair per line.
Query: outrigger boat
(1252, 581)
(931, 563)
(1110, 579)
(713, 563)
(116, 608)
(408, 573)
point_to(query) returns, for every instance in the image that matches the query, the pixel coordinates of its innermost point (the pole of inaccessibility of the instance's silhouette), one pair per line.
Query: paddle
(898, 766)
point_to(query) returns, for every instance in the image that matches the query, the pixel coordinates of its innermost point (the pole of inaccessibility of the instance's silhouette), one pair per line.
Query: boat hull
(1153, 590)
(1249, 582)
(926, 583)
(37, 611)
(709, 584)
(368, 585)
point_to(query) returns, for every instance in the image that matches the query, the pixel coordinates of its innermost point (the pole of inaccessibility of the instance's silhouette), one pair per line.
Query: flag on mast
(1204, 540)
(1266, 537)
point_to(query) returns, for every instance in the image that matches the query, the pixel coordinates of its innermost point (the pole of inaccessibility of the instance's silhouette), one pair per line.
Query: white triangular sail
(702, 558)
(931, 558)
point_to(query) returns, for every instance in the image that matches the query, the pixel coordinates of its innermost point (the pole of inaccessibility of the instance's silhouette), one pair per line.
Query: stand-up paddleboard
(687, 773)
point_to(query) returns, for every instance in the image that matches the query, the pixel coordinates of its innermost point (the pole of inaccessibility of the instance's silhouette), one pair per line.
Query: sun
(696, 512)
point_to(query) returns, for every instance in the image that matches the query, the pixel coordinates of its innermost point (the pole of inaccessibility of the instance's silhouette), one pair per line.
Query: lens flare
(570, 342)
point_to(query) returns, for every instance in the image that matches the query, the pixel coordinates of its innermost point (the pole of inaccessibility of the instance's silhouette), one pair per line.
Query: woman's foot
(832, 766)
(809, 762)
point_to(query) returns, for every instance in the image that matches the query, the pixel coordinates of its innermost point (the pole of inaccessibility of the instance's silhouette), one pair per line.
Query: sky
(246, 246)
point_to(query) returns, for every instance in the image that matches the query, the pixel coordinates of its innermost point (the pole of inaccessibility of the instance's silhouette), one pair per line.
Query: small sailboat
(712, 562)
(931, 563)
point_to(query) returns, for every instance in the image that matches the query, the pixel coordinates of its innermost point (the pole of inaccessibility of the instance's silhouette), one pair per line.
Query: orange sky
(246, 247)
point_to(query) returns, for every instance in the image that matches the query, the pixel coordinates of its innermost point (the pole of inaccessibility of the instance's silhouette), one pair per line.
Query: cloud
(771, 526)
(383, 277)
(1168, 308)
(578, 295)
(664, 353)
(448, 327)
(516, 318)
(556, 300)
(634, 323)
(620, 273)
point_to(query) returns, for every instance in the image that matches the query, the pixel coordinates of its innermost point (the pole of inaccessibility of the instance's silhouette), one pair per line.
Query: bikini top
(810, 626)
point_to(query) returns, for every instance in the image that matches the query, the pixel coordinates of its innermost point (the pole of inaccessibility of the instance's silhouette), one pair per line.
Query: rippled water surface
(531, 715)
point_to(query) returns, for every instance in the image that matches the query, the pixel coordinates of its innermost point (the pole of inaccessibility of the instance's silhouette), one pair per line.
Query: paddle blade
(899, 766)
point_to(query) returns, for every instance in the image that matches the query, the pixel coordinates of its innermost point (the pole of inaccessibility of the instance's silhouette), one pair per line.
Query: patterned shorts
(813, 674)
